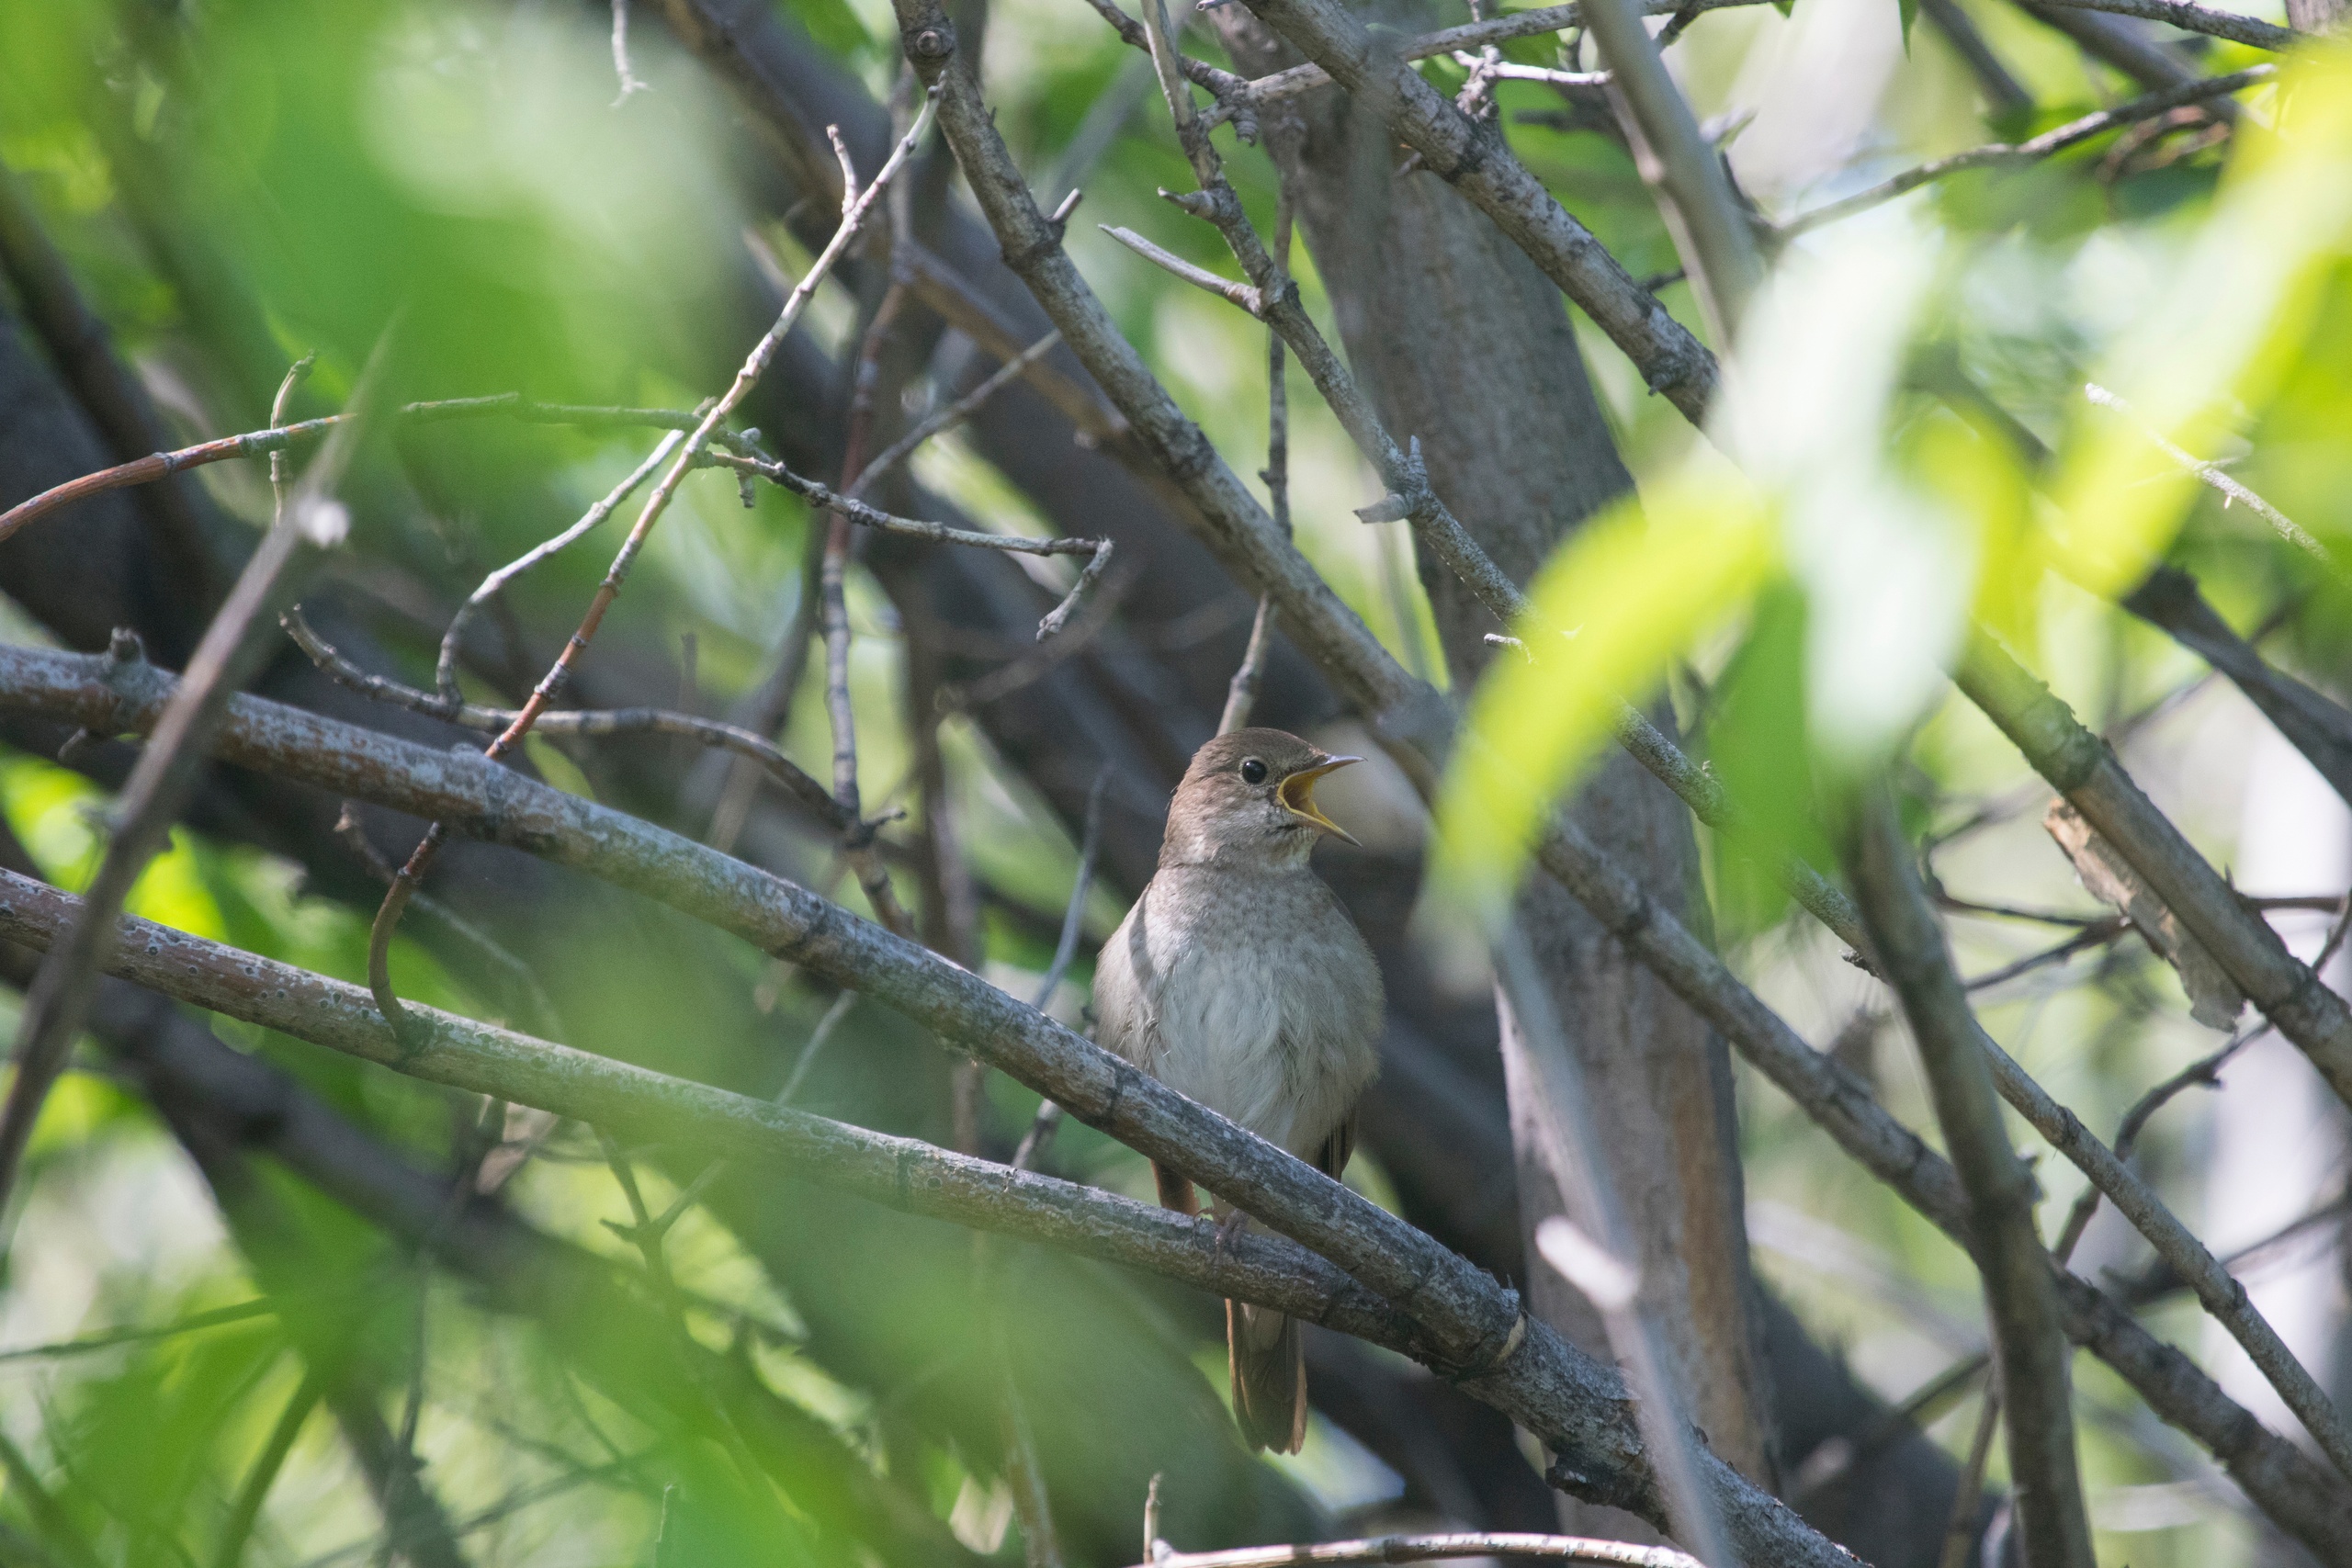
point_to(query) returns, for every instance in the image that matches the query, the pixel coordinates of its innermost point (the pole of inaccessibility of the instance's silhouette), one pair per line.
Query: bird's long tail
(1268, 1359)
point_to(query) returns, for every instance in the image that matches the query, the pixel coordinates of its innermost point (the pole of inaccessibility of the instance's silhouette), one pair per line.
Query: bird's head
(1249, 798)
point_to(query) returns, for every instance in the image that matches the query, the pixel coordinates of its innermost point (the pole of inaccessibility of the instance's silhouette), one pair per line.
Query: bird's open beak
(1298, 793)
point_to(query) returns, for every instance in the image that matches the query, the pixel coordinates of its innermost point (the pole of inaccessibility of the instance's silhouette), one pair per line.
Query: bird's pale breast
(1251, 992)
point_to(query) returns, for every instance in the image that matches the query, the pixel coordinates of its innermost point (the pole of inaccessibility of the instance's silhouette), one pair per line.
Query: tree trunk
(1461, 341)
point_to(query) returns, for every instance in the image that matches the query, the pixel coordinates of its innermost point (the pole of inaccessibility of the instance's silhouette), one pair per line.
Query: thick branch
(1473, 157)
(2080, 767)
(1466, 1322)
(1845, 1107)
(2310, 720)
(2190, 16)
(502, 807)
(1711, 229)
(2030, 1352)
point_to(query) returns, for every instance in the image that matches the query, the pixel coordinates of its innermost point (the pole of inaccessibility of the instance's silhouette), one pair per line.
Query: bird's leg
(1229, 1225)
(1175, 1191)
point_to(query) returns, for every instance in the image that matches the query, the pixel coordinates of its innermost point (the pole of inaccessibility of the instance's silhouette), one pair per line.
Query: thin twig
(834, 612)
(1968, 1499)
(1048, 1118)
(1252, 97)
(854, 212)
(954, 414)
(278, 438)
(2002, 154)
(169, 769)
(629, 83)
(2098, 933)
(825, 498)
(1510, 72)
(2206, 1071)
(1241, 692)
(817, 1038)
(444, 673)
(587, 722)
(537, 1004)
(1711, 230)
(2216, 476)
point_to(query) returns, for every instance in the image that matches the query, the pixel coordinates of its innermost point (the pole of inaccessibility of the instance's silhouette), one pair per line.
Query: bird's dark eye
(1252, 771)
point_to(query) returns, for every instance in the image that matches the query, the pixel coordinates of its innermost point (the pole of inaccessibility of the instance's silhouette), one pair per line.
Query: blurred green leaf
(1606, 616)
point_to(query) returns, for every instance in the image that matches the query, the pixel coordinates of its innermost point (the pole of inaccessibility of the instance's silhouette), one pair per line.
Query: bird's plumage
(1238, 980)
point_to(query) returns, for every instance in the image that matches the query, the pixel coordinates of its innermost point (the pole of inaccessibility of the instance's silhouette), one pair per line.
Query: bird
(1239, 980)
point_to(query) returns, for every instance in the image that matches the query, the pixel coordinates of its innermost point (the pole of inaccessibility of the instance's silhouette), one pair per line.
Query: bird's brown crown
(1247, 798)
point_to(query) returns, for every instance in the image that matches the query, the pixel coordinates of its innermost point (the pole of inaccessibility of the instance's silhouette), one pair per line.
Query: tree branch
(2311, 722)
(1471, 156)
(167, 771)
(2080, 767)
(2190, 16)
(498, 804)
(2001, 155)
(1465, 1321)
(1711, 230)
(2030, 1352)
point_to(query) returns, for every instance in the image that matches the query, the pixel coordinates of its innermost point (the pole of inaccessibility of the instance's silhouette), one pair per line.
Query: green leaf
(2226, 331)
(1910, 9)
(1607, 615)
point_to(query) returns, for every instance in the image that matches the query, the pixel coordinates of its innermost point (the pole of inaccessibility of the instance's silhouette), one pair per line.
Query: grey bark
(1460, 340)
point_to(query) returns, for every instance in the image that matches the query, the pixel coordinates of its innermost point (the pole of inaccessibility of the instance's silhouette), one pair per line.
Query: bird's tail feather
(1268, 1365)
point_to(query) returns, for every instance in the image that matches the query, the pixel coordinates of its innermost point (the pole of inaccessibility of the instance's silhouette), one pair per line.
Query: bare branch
(495, 804)
(2001, 155)
(1240, 294)
(2215, 476)
(825, 498)
(855, 208)
(2080, 767)
(2221, 1295)
(278, 438)
(2003, 92)
(629, 83)
(2190, 16)
(169, 769)
(2313, 723)
(1263, 91)
(1512, 72)
(2029, 1350)
(577, 721)
(446, 667)
(1472, 157)
(1603, 1265)
(1465, 1318)
(1711, 229)
(954, 413)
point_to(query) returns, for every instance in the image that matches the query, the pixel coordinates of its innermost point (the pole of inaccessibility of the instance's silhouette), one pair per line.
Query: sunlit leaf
(1607, 615)
(2232, 322)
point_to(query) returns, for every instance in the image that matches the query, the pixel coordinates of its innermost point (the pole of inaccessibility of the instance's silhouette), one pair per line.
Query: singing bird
(1239, 980)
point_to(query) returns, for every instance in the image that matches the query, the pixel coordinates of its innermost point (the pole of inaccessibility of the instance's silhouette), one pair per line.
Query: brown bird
(1239, 980)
